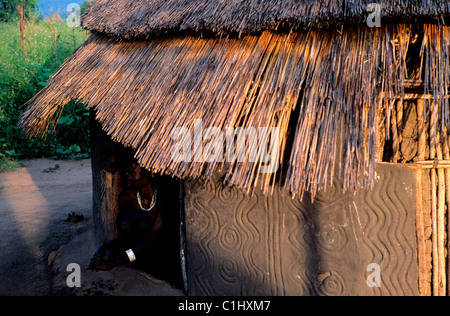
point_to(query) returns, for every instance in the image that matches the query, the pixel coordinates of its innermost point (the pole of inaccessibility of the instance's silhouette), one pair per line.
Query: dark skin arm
(98, 262)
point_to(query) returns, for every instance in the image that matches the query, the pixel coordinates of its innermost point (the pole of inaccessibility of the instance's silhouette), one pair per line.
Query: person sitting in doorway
(139, 224)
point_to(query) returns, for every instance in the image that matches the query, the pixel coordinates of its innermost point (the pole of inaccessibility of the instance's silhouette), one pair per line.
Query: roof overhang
(322, 92)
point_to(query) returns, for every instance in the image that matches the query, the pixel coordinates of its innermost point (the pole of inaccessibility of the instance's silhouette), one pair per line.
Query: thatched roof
(138, 18)
(324, 90)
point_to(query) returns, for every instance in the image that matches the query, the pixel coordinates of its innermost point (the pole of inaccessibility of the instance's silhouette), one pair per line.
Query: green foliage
(8, 9)
(86, 4)
(7, 164)
(23, 75)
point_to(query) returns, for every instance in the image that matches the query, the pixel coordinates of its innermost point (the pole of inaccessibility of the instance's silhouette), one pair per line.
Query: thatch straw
(137, 18)
(342, 100)
(143, 90)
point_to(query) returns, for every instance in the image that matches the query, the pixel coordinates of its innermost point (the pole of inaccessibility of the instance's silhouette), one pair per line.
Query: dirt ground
(38, 241)
(35, 201)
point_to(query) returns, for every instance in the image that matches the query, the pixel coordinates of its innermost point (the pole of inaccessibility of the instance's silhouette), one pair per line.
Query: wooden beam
(424, 288)
(106, 182)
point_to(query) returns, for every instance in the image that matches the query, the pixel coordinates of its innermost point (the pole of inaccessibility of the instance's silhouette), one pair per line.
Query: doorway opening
(169, 252)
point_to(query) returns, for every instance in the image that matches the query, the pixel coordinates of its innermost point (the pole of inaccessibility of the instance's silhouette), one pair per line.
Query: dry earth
(35, 201)
(38, 242)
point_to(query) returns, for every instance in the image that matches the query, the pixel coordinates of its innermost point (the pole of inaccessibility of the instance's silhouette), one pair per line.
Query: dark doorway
(169, 263)
(170, 203)
(109, 160)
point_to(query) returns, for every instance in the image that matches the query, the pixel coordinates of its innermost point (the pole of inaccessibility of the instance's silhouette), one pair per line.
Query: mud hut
(357, 95)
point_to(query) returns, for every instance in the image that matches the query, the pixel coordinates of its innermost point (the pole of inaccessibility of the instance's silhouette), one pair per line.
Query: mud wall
(255, 245)
(417, 139)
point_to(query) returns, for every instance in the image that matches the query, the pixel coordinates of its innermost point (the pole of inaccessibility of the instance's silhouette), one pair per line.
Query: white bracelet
(131, 255)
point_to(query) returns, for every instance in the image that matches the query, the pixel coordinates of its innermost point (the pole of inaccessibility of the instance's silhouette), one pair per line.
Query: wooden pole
(441, 223)
(400, 119)
(106, 182)
(23, 41)
(434, 236)
(395, 138)
(446, 152)
(424, 286)
(424, 289)
(422, 137)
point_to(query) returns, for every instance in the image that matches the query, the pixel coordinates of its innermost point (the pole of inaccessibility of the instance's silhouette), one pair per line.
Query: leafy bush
(8, 9)
(22, 75)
